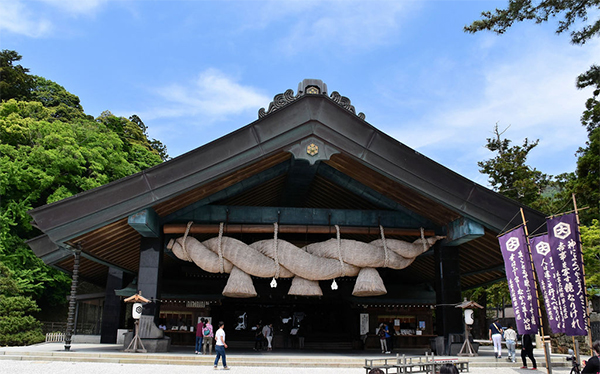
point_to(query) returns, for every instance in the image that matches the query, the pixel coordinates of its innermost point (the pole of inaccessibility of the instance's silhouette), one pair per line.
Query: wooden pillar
(449, 319)
(72, 299)
(113, 307)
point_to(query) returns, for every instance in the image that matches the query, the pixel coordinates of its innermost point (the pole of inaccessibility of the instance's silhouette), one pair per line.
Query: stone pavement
(50, 358)
(61, 367)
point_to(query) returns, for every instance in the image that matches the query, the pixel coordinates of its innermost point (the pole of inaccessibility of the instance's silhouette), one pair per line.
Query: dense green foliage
(50, 150)
(590, 240)
(14, 80)
(17, 326)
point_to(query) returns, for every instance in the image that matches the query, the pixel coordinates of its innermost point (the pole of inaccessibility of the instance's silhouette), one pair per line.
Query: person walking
(495, 332)
(199, 337)
(510, 336)
(220, 346)
(208, 335)
(527, 351)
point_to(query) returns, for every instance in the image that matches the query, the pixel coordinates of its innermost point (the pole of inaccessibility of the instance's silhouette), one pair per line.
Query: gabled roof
(357, 162)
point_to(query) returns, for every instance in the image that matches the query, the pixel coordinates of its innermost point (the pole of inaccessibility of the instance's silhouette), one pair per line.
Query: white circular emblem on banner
(512, 244)
(542, 248)
(562, 230)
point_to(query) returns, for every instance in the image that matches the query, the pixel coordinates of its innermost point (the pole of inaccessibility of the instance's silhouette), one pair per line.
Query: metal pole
(72, 301)
(537, 294)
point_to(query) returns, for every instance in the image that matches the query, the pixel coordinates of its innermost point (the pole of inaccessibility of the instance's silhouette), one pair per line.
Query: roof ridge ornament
(308, 87)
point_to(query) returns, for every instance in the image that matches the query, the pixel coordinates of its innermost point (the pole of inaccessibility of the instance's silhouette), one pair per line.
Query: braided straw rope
(385, 250)
(275, 228)
(317, 261)
(220, 248)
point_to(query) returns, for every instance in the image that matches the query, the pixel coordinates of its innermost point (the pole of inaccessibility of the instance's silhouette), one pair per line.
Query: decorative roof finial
(307, 87)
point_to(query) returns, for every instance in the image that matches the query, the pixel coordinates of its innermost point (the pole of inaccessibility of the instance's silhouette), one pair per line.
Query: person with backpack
(207, 334)
(382, 339)
(199, 328)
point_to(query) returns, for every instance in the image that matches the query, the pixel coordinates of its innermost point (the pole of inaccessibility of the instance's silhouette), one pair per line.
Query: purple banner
(545, 262)
(563, 237)
(520, 280)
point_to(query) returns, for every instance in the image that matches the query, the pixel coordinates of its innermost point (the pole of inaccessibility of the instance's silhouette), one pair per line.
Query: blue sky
(197, 70)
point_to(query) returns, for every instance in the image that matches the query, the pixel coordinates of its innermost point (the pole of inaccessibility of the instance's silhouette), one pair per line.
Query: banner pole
(537, 294)
(587, 306)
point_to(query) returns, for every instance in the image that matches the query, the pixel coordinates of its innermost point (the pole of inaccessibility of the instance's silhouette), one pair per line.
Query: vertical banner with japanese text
(545, 261)
(563, 238)
(520, 279)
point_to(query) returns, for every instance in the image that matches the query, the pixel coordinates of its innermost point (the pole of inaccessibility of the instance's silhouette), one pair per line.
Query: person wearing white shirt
(220, 346)
(510, 336)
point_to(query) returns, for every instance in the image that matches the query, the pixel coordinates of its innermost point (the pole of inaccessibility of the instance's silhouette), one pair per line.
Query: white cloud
(18, 19)
(77, 7)
(212, 95)
(352, 25)
(529, 87)
(33, 18)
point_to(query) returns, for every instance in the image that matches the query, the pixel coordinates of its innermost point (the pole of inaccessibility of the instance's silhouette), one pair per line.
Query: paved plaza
(42, 367)
(50, 358)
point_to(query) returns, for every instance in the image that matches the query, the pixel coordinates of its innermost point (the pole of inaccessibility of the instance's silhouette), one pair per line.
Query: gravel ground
(42, 367)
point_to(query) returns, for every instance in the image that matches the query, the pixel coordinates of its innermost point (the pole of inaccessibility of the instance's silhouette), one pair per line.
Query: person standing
(510, 336)
(199, 328)
(382, 341)
(208, 335)
(388, 338)
(593, 364)
(300, 335)
(220, 346)
(265, 334)
(495, 332)
(527, 351)
(258, 336)
(269, 337)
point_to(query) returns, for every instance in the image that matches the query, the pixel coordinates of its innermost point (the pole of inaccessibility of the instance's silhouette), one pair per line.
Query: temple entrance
(302, 323)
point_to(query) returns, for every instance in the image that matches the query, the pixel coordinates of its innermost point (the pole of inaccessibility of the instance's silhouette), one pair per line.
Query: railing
(55, 337)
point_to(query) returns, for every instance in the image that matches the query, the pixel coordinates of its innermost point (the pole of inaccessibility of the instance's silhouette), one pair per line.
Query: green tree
(17, 326)
(508, 172)
(15, 83)
(590, 239)
(570, 12)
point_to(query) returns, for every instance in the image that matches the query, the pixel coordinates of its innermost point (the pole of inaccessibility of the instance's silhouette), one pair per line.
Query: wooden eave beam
(180, 228)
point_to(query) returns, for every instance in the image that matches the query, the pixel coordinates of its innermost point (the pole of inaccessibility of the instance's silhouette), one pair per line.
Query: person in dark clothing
(389, 338)
(448, 369)
(258, 338)
(593, 364)
(527, 351)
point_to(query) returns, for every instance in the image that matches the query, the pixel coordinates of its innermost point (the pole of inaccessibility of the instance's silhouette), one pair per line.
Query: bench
(413, 364)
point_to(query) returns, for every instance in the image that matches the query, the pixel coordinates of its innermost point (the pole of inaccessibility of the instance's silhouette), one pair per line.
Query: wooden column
(72, 299)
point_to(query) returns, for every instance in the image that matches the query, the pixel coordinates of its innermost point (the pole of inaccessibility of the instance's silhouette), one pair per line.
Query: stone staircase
(233, 359)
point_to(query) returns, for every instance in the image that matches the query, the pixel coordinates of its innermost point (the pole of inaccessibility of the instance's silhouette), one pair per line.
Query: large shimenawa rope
(317, 261)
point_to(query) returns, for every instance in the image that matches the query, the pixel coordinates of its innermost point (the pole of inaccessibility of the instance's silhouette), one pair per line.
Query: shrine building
(308, 217)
